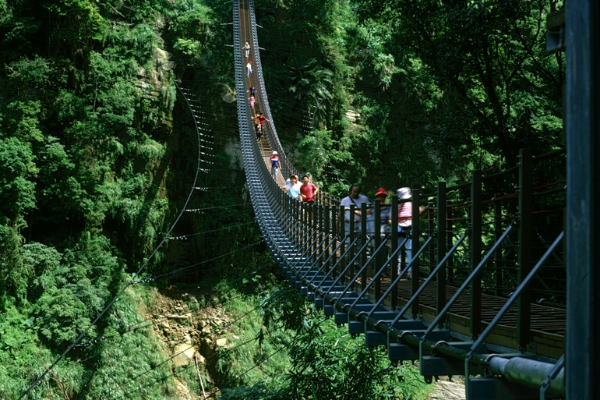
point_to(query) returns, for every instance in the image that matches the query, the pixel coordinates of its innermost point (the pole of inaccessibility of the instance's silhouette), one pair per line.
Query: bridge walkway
(490, 308)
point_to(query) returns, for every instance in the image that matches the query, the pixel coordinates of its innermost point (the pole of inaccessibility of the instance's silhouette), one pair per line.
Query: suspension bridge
(502, 288)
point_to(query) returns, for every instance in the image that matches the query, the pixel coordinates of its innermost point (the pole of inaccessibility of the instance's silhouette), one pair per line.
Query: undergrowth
(281, 347)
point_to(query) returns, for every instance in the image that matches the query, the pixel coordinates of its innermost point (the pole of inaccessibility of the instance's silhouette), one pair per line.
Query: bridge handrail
(462, 288)
(516, 294)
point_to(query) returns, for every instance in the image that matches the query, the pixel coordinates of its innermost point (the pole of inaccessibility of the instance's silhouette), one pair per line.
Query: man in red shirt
(308, 190)
(261, 121)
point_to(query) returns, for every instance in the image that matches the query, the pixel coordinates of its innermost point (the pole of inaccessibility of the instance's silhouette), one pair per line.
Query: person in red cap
(386, 211)
(385, 229)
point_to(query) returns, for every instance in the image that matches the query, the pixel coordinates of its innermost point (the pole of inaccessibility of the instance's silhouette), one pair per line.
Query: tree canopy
(417, 92)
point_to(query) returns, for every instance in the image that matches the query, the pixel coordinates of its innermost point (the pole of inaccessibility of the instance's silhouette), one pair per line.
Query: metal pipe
(530, 373)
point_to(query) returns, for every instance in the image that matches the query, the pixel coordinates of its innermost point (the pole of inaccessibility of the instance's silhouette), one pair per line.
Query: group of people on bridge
(257, 117)
(306, 191)
(355, 200)
(352, 203)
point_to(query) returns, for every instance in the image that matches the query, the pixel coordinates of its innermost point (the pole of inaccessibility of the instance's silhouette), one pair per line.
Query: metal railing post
(334, 229)
(297, 221)
(363, 240)
(352, 237)
(441, 245)
(415, 245)
(498, 256)
(525, 243)
(431, 232)
(327, 228)
(394, 239)
(313, 225)
(320, 226)
(378, 260)
(449, 239)
(343, 234)
(305, 223)
(475, 247)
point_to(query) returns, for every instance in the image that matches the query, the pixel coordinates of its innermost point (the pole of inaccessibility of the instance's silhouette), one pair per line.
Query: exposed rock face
(448, 390)
(154, 80)
(190, 332)
(183, 393)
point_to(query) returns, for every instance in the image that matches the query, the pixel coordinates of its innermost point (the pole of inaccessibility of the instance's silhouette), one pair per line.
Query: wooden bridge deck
(548, 324)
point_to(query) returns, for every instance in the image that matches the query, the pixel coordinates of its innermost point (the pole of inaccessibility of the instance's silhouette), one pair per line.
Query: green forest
(99, 153)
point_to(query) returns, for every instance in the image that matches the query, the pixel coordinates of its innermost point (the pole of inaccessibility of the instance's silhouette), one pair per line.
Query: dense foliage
(407, 93)
(91, 179)
(323, 363)
(97, 157)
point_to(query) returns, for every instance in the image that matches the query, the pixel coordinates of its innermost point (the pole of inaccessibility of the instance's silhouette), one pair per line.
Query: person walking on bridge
(274, 165)
(404, 226)
(385, 213)
(261, 122)
(308, 190)
(249, 68)
(247, 49)
(292, 187)
(257, 127)
(356, 199)
(385, 227)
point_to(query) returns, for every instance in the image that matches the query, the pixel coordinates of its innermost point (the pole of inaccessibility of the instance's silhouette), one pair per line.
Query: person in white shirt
(292, 187)
(356, 199)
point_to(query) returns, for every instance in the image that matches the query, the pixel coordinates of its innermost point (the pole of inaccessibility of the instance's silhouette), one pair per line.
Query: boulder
(183, 355)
